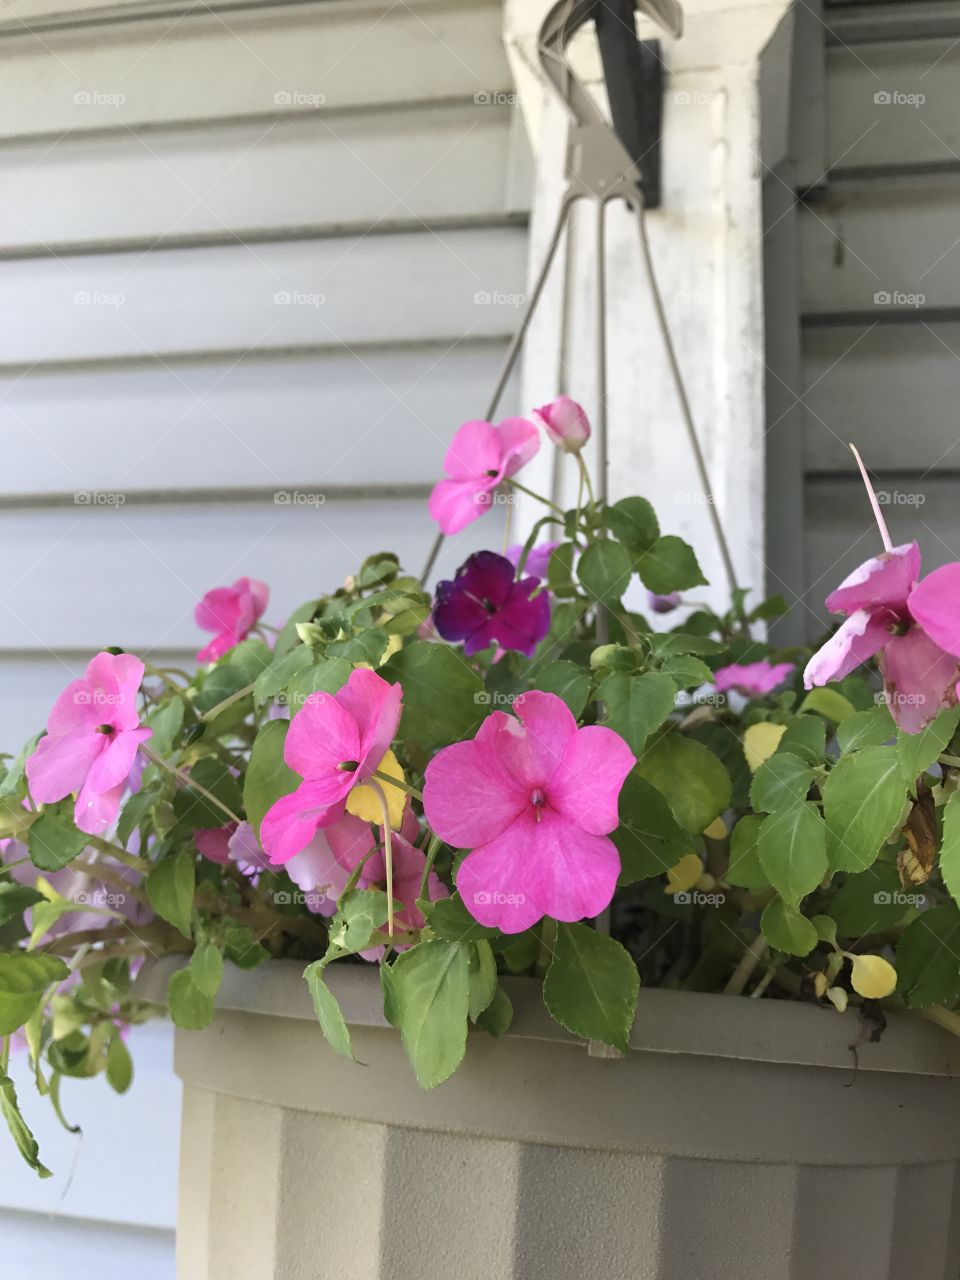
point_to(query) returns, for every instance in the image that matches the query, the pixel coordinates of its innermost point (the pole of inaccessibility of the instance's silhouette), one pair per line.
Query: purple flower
(663, 604)
(538, 561)
(484, 605)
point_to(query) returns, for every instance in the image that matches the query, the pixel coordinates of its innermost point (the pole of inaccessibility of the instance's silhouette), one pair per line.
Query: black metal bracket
(633, 71)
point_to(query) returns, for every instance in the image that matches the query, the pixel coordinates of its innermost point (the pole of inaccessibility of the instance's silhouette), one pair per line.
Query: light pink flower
(231, 613)
(335, 741)
(91, 743)
(565, 422)
(534, 798)
(480, 457)
(323, 868)
(752, 678)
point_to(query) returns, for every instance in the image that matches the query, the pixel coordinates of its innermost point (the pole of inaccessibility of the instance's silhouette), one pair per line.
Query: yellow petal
(760, 741)
(873, 977)
(838, 998)
(364, 803)
(717, 830)
(685, 874)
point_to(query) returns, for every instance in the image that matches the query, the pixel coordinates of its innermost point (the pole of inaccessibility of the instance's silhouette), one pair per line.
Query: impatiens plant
(556, 765)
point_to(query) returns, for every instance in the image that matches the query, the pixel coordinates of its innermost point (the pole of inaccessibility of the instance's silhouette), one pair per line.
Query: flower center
(104, 728)
(348, 766)
(900, 628)
(491, 474)
(538, 800)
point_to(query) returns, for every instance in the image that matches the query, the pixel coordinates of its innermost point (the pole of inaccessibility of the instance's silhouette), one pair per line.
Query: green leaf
(281, 671)
(194, 809)
(667, 643)
(24, 978)
(950, 849)
(366, 646)
(828, 703)
(222, 683)
(189, 1007)
(54, 840)
(483, 978)
(25, 1142)
(648, 839)
(560, 576)
(170, 888)
(267, 777)
(498, 1015)
(14, 818)
(806, 737)
(918, 751)
(137, 810)
(686, 671)
(360, 914)
(288, 636)
(870, 902)
(634, 522)
(592, 985)
(430, 993)
(866, 729)
(242, 948)
(605, 570)
(792, 845)
(444, 699)
(670, 565)
(15, 899)
(567, 681)
(166, 723)
(328, 1011)
(119, 1065)
(637, 705)
(781, 781)
(327, 676)
(206, 968)
(863, 800)
(787, 930)
(689, 776)
(928, 958)
(449, 919)
(10, 783)
(745, 870)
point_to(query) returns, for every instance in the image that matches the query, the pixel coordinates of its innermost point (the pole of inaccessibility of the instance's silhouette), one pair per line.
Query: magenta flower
(663, 604)
(565, 422)
(91, 742)
(335, 741)
(408, 867)
(538, 561)
(534, 799)
(484, 605)
(753, 679)
(912, 628)
(231, 613)
(480, 457)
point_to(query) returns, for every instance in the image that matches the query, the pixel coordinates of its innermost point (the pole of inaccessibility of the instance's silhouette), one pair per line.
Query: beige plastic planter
(738, 1140)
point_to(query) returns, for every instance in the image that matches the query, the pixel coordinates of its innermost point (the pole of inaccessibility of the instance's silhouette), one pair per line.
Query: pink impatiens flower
(914, 630)
(752, 678)
(481, 456)
(231, 613)
(334, 742)
(565, 422)
(91, 742)
(535, 799)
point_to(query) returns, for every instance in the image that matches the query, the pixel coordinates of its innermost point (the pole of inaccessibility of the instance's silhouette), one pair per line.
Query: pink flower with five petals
(480, 457)
(231, 613)
(91, 742)
(534, 799)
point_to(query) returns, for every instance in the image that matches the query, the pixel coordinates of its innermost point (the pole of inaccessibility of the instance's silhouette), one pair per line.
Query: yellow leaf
(394, 645)
(685, 874)
(838, 998)
(873, 977)
(717, 830)
(760, 741)
(820, 984)
(364, 803)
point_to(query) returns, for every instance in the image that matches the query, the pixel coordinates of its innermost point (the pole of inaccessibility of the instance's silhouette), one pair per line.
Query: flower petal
(290, 822)
(456, 503)
(476, 449)
(859, 638)
(882, 582)
(112, 767)
(322, 735)
(468, 796)
(586, 787)
(919, 679)
(375, 705)
(935, 603)
(95, 811)
(61, 764)
(520, 441)
(532, 751)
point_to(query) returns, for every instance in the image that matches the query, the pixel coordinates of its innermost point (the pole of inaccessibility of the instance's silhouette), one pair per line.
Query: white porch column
(707, 244)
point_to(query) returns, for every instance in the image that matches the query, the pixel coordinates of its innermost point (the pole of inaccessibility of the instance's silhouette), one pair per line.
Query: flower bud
(565, 422)
(663, 604)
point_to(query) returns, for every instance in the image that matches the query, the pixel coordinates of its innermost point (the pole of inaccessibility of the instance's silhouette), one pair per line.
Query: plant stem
(946, 1018)
(536, 496)
(387, 851)
(952, 762)
(433, 848)
(118, 853)
(752, 956)
(585, 477)
(395, 782)
(184, 777)
(764, 982)
(227, 702)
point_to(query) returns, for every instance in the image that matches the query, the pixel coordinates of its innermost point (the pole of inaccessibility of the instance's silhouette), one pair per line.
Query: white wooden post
(707, 241)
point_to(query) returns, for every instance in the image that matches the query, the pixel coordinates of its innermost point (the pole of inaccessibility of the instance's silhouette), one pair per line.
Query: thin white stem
(878, 516)
(387, 850)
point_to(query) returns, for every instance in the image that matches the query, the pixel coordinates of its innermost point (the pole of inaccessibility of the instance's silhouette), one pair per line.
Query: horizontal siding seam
(67, 500)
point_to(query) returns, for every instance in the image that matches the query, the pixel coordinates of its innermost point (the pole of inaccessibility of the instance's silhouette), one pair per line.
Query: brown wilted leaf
(916, 861)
